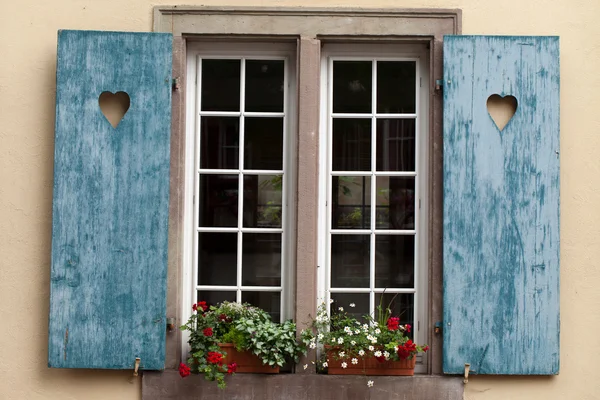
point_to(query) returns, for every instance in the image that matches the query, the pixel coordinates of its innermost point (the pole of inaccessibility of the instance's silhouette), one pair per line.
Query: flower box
(246, 361)
(370, 366)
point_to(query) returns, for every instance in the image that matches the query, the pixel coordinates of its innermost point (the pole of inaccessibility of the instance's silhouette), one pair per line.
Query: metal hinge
(439, 84)
(175, 83)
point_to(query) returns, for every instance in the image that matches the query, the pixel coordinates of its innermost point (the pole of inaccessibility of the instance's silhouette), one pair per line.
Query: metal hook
(137, 366)
(467, 368)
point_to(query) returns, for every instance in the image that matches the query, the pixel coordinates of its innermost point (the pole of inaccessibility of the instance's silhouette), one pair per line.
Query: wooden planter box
(370, 366)
(247, 363)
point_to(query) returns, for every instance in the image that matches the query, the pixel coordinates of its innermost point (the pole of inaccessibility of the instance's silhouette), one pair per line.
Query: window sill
(169, 385)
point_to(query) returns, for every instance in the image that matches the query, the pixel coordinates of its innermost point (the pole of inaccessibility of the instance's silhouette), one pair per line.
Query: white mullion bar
(397, 116)
(416, 259)
(373, 186)
(196, 200)
(284, 241)
(264, 171)
(243, 230)
(351, 231)
(371, 115)
(405, 232)
(219, 113)
(396, 290)
(396, 173)
(265, 114)
(241, 179)
(218, 171)
(377, 173)
(353, 116)
(262, 288)
(350, 173)
(369, 290)
(237, 288)
(328, 201)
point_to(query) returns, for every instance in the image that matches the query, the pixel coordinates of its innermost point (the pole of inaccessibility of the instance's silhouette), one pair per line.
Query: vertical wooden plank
(111, 199)
(501, 206)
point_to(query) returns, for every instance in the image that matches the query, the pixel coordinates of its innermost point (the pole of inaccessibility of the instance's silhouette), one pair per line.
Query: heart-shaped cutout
(501, 109)
(114, 106)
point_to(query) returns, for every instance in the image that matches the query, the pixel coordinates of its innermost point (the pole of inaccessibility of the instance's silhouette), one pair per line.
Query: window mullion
(241, 180)
(373, 186)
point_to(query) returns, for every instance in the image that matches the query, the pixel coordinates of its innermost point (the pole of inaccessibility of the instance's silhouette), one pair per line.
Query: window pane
(350, 261)
(352, 82)
(351, 144)
(268, 301)
(351, 208)
(218, 200)
(213, 297)
(394, 261)
(264, 85)
(264, 143)
(402, 306)
(261, 259)
(360, 301)
(219, 142)
(217, 258)
(262, 201)
(220, 85)
(396, 145)
(396, 87)
(395, 202)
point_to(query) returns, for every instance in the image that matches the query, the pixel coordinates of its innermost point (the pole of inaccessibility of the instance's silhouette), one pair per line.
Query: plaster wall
(27, 89)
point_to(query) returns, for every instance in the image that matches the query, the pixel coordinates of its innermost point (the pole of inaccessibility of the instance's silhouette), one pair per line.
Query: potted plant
(374, 346)
(232, 337)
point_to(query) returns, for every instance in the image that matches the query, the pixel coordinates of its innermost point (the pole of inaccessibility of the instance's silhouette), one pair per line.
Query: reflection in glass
(351, 208)
(220, 85)
(396, 145)
(219, 142)
(262, 201)
(264, 85)
(212, 297)
(217, 258)
(261, 259)
(394, 261)
(351, 145)
(218, 200)
(352, 82)
(268, 301)
(264, 143)
(350, 261)
(396, 87)
(402, 306)
(395, 206)
(360, 309)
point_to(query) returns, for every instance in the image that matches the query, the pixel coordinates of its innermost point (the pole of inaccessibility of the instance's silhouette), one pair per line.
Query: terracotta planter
(370, 366)
(247, 363)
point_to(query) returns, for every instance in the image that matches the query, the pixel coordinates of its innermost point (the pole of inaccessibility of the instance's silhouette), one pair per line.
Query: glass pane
(344, 300)
(394, 261)
(351, 144)
(218, 200)
(262, 201)
(350, 261)
(352, 82)
(212, 297)
(268, 301)
(219, 142)
(402, 306)
(220, 85)
(395, 202)
(264, 85)
(217, 258)
(396, 145)
(396, 87)
(264, 143)
(261, 259)
(351, 207)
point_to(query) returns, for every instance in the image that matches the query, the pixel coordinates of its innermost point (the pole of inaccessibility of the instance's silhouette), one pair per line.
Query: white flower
(333, 339)
(340, 340)
(357, 331)
(371, 348)
(320, 336)
(355, 361)
(325, 364)
(352, 305)
(361, 352)
(386, 355)
(370, 384)
(341, 308)
(330, 301)
(377, 353)
(305, 366)
(374, 340)
(369, 337)
(357, 323)
(353, 343)
(350, 333)
(342, 354)
(365, 327)
(312, 345)
(347, 329)
(377, 331)
(344, 365)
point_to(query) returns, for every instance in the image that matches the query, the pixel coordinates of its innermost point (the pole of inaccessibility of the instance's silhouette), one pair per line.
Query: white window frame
(380, 52)
(246, 51)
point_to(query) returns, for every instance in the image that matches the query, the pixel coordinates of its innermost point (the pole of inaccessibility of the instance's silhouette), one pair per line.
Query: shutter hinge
(175, 83)
(439, 84)
(437, 327)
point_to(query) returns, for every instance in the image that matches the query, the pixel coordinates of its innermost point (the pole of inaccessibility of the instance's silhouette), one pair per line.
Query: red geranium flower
(214, 358)
(231, 368)
(407, 327)
(425, 349)
(393, 323)
(380, 358)
(208, 332)
(407, 349)
(184, 370)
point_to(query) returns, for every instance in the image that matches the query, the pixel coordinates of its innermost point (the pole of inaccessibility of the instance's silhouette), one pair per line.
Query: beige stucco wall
(27, 84)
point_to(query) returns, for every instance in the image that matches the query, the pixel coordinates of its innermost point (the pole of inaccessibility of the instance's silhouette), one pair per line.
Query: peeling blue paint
(501, 207)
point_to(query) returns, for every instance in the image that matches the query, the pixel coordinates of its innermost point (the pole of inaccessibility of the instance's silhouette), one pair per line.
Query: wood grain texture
(501, 207)
(111, 202)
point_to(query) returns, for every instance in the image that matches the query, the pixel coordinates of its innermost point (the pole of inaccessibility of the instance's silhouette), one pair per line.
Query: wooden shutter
(501, 207)
(110, 205)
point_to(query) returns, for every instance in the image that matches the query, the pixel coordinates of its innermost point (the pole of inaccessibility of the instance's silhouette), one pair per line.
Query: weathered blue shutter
(501, 207)
(110, 206)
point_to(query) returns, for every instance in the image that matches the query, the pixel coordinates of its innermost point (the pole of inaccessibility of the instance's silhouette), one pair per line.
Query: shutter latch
(439, 84)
